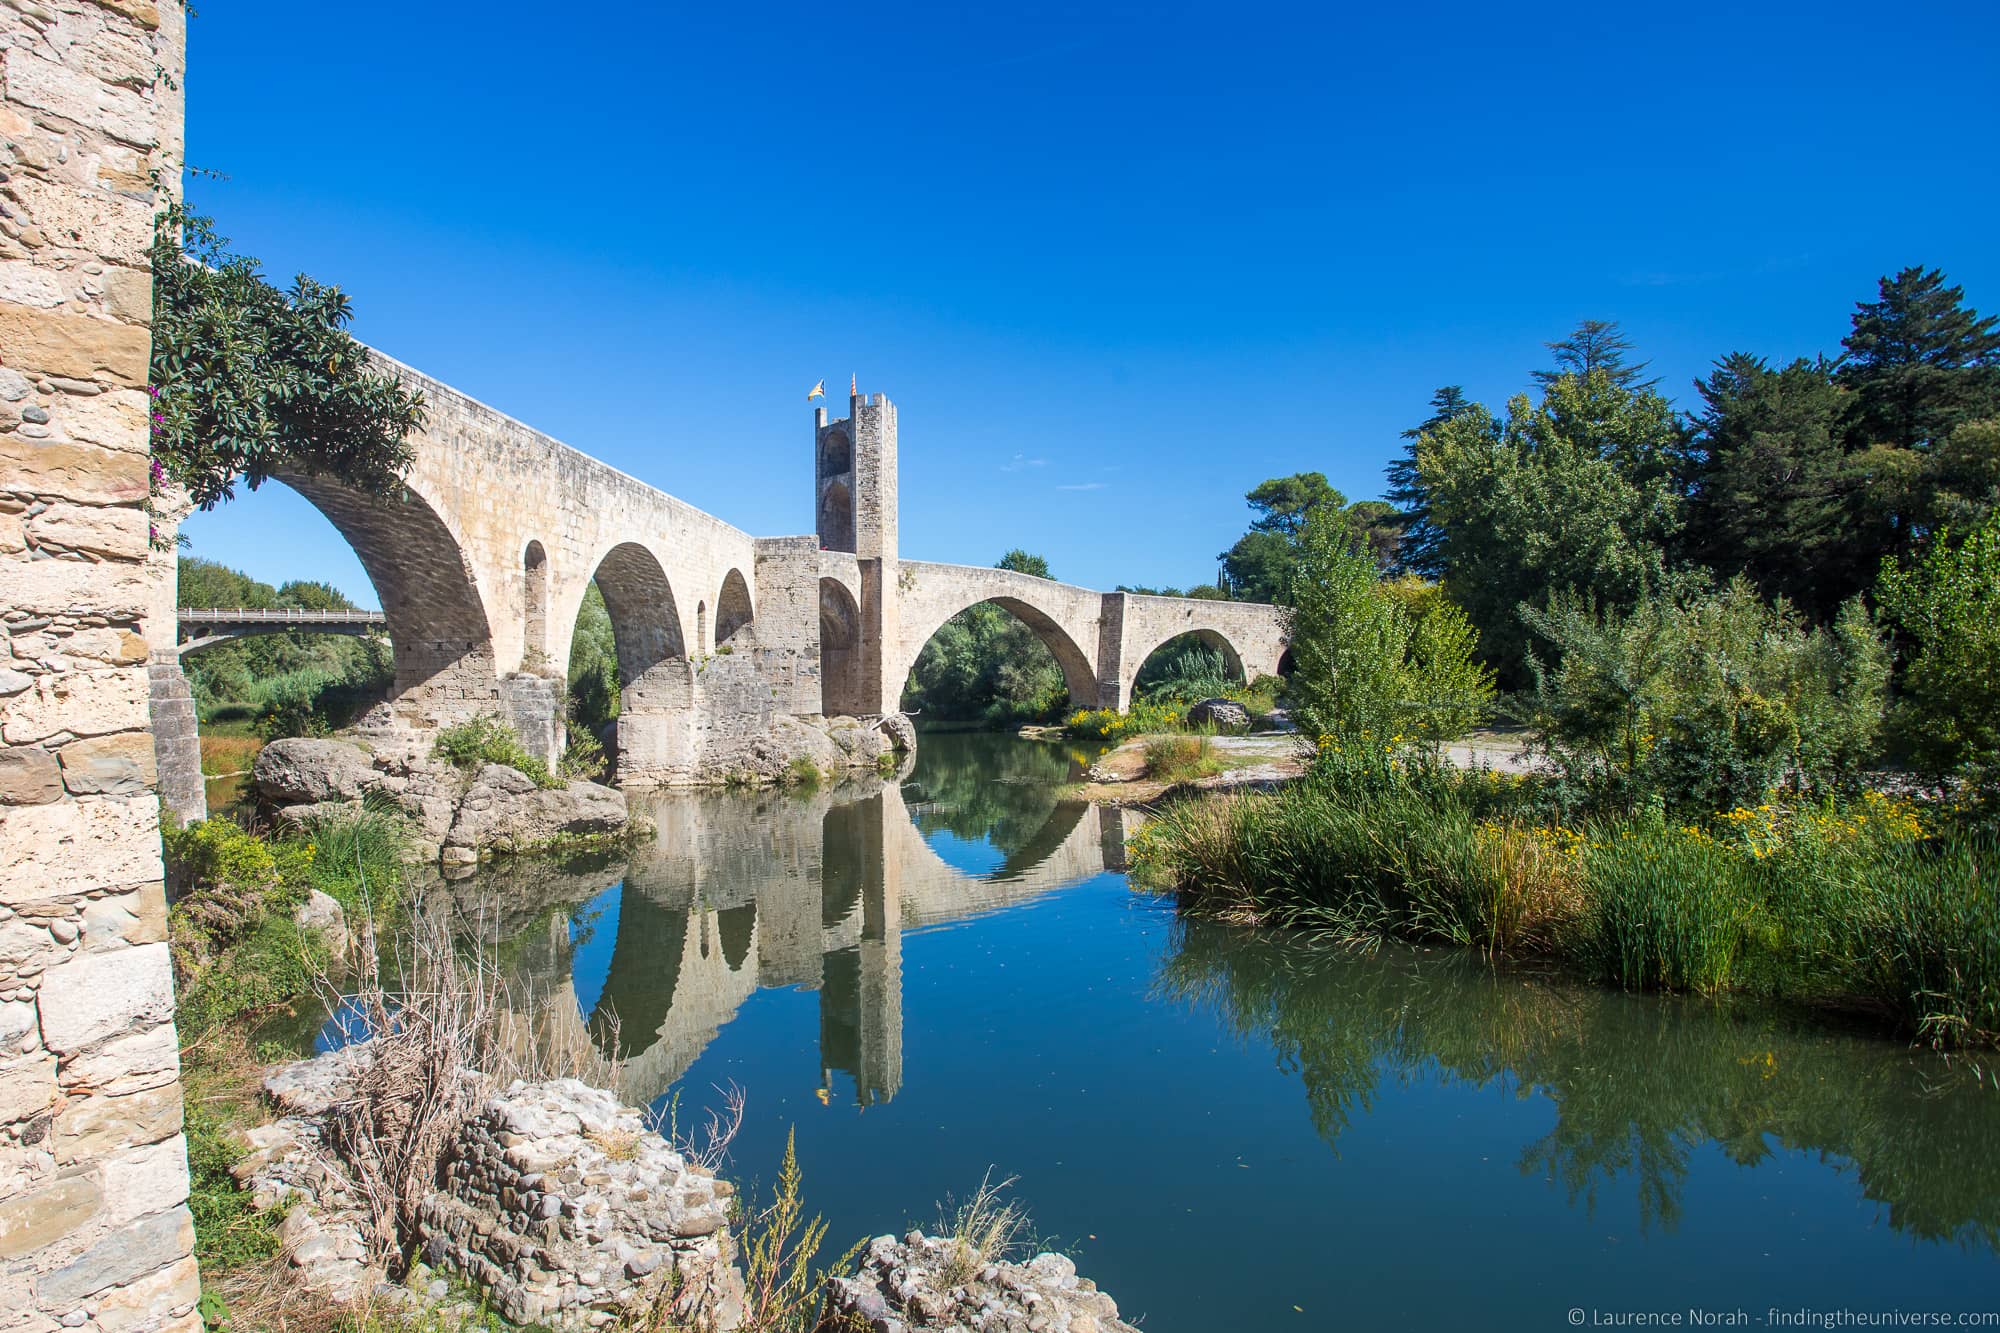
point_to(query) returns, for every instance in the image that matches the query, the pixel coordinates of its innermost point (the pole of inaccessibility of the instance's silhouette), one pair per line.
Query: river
(1230, 1129)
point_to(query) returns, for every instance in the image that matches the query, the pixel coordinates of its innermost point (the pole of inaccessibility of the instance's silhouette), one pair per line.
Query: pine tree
(1596, 344)
(1920, 363)
(1421, 550)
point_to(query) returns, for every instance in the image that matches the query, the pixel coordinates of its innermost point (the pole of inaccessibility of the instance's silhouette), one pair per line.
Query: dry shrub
(410, 1099)
(1180, 758)
(983, 1230)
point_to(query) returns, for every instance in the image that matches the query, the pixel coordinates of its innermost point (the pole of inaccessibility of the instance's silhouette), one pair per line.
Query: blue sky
(1115, 266)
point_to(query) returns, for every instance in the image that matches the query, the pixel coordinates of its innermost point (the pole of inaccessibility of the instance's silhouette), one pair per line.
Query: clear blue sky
(1115, 268)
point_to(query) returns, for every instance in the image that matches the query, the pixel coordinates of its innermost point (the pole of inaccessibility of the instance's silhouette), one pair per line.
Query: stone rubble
(557, 1201)
(901, 1288)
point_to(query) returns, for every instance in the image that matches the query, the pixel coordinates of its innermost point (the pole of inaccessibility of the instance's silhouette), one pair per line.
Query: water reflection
(1086, 1040)
(1639, 1084)
(646, 955)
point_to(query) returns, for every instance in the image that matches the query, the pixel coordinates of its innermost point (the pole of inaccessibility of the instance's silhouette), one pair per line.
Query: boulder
(321, 914)
(304, 770)
(504, 810)
(1222, 714)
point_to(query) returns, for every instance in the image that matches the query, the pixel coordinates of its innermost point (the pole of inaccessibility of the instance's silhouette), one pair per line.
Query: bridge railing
(277, 616)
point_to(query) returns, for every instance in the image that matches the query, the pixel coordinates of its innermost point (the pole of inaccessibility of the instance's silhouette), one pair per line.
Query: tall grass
(1855, 906)
(1180, 759)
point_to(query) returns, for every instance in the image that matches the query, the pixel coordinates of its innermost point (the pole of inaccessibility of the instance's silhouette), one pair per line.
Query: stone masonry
(482, 564)
(94, 1226)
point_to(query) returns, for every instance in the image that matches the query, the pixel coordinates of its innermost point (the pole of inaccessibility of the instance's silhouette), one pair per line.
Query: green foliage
(1364, 664)
(1180, 758)
(1920, 362)
(1577, 491)
(802, 772)
(1772, 487)
(593, 668)
(1145, 717)
(1705, 699)
(1260, 567)
(229, 1233)
(489, 740)
(1947, 605)
(211, 852)
(1023, 562)
(1933, 937)
(251, 381)
(1667, 912)
(1184, 670)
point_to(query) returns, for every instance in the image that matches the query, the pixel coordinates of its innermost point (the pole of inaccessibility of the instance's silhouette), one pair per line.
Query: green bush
(1108, 724)
(488, 740)
(1366, 663)
(1933, 940)
(1705, 699)
(1948, 607)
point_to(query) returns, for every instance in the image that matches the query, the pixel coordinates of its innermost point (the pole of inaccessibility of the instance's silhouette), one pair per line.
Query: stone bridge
(482, 564)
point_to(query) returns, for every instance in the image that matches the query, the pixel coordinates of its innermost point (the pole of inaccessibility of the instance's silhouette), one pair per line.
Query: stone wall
(94, 1227)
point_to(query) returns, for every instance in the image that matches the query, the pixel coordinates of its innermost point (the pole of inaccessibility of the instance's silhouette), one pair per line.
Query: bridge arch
(655, 678)
(1078, 670)
(841, 687)
(1212, 639)
(733, 610)
(430, 595)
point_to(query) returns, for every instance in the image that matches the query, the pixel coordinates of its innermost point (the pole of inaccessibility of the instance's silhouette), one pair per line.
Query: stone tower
(855, 509)
(855, 478)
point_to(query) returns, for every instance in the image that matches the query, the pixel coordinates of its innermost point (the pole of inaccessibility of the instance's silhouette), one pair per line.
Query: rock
(307, 770)
(506, 812)
(322, 915)
(1222, 714)
(901, 1285)
(29, 776)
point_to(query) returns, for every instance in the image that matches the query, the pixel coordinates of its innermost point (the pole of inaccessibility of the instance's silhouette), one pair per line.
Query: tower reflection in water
(642, 956)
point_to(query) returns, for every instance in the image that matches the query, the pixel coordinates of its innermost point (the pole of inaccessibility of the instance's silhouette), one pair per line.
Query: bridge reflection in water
(642, 957)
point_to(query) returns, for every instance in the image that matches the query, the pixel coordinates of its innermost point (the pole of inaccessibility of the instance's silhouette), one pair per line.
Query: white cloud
(1082, 486)
(1019, 461)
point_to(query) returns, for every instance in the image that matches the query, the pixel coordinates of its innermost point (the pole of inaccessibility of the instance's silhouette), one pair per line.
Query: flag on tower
(818, 391)
(852, 391)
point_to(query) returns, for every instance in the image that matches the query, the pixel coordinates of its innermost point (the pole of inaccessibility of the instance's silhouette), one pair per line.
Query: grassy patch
(1865, 905)
(488, 740)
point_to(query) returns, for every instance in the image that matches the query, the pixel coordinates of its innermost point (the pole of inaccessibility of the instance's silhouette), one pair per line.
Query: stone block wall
(94, 1227)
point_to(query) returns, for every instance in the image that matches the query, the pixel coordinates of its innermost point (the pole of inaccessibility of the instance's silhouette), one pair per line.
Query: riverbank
(1873, 905)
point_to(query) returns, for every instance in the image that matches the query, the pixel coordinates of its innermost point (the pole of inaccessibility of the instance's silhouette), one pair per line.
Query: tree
(1021, 562)
(1259, 567)
(1578, 491)
(1364, 665)
(249, 380)
(1947, 606)
(1595, 345)
(1420, 549)
(1770, 487)
(1920, 362)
